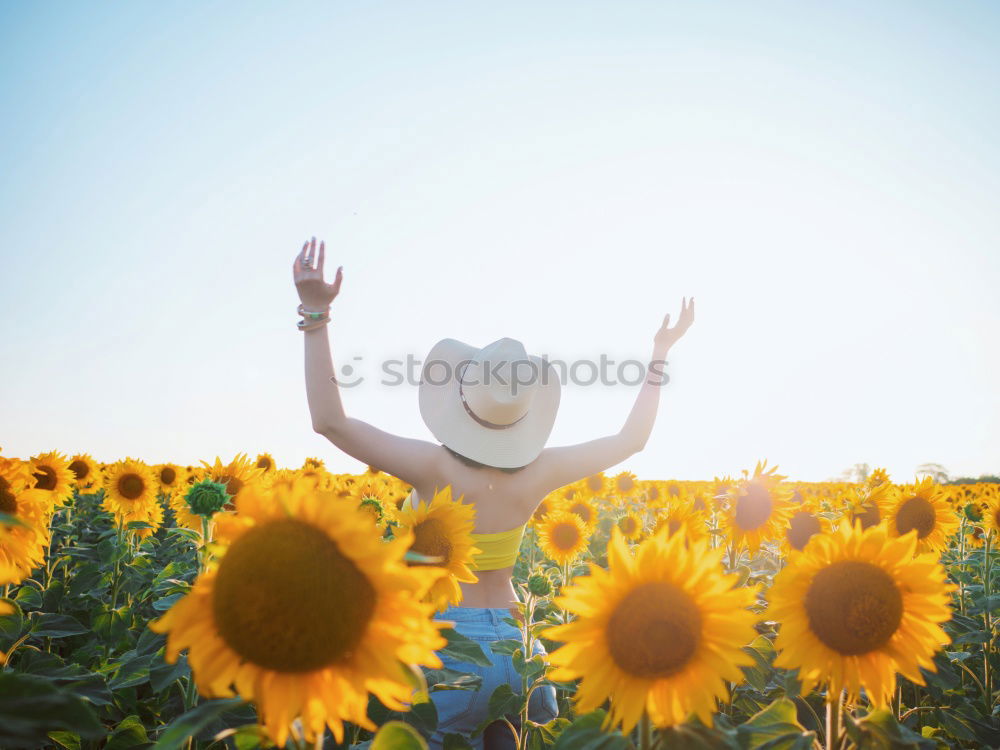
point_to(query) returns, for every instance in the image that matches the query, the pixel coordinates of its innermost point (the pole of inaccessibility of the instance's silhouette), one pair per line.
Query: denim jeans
(461, 711)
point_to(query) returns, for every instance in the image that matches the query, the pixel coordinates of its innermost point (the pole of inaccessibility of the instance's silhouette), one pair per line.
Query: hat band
(479, 419)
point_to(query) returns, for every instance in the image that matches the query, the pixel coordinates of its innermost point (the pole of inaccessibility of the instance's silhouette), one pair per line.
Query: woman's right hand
(316, 294)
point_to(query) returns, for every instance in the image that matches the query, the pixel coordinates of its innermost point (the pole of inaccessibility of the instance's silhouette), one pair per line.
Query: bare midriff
(493, 589)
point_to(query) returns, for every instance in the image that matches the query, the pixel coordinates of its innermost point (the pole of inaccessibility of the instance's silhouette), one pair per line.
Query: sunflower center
(996, 517)
(595, 482)
(131, 486)
(264, 463)
(654, 631)
(564, 536)
(45, 478)
(916, 513)
(753, 508)
(582, 510)
(868, 517)
(431, 539)
(287, 599)
(628, 525)
(8, 502)
(853, 607)
(79, 469)
(167, 475)
(233, 484)
(801, 528)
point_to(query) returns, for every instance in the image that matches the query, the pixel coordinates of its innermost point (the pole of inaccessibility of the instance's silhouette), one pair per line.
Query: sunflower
(313, 463)
(87, 477)
(265, 462)
(804, 523)
(856, 607)
(682, 517)
(759, 508)
(237, 475)
(22, 546)
(992, 515)
(372, 496)
(631, 525)
(172, 479)
(877, 478)
(870, 505)
(130, 494)
(443, 529)
(581, 507)
(183, 516)
(597, 484)
(562, 536)
(922, 508)
(659, 632)
(305, 612)
(548, 504)
(624, 484)
(52, 474)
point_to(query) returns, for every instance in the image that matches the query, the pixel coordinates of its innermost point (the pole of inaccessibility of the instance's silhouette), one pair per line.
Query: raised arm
(557, 467)
(413, 461)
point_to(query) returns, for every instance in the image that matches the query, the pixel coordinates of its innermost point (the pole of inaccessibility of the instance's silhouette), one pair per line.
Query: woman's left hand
(667, 336)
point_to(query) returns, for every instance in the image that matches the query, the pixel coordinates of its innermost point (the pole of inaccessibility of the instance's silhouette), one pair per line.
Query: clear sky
(824, 179)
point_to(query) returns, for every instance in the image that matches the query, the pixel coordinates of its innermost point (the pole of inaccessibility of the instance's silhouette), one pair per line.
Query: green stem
(832, 721)
(987, 620)
(116, 575)
(529, 605)
(645, 733)
(203, 553)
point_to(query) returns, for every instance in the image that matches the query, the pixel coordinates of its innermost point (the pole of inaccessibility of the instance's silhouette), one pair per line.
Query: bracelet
(305, 325)
(313, 315)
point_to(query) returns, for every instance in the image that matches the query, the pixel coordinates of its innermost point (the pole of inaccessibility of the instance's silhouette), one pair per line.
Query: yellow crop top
(497, 550)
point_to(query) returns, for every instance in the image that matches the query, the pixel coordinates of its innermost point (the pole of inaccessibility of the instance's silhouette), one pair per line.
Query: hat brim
(443, 413)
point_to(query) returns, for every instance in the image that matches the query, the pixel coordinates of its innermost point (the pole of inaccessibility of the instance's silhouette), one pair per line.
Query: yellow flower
(22, 546)
(804, 524)
(562, 536)
(624, 484)
(52, 474)
(856, 607)
(172, 479)
(660, 632)
(87, 477)
(582, 508)
(759, 508)
(265, 462)
(870, 505)
(596, 484)
(682, 517)
(130, 494)
(237, 475)
(631, 525)
(443, 529)
(923, 508)
(305, 612)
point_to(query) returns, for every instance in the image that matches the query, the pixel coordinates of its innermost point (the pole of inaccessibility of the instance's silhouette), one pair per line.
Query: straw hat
(495, 405)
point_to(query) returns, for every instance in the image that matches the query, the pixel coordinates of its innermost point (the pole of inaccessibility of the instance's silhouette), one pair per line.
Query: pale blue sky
(823, 178)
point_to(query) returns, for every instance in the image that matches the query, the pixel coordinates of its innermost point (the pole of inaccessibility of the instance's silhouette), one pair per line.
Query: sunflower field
(241, 605)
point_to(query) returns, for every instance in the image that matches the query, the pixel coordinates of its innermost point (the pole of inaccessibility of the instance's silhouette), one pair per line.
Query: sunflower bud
(206, 498)
(539, 584)
(973, 512)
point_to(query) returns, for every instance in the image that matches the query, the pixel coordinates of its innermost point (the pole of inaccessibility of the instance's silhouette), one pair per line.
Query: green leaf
(879, 730)
(176, 733)
(68, 676)
(507, 646)
(31, 707)
(397, 735)
(57, 626)
(454, 741)
(68, 740)
(775, 727)
(694, 735)
(586, 733)
(28, 597)
(162, 674)
(503, 701)
(133, 672)
(129, 733)
(464, 649)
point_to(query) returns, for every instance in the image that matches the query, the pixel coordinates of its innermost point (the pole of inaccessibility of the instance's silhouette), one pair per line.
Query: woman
(492, 410)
